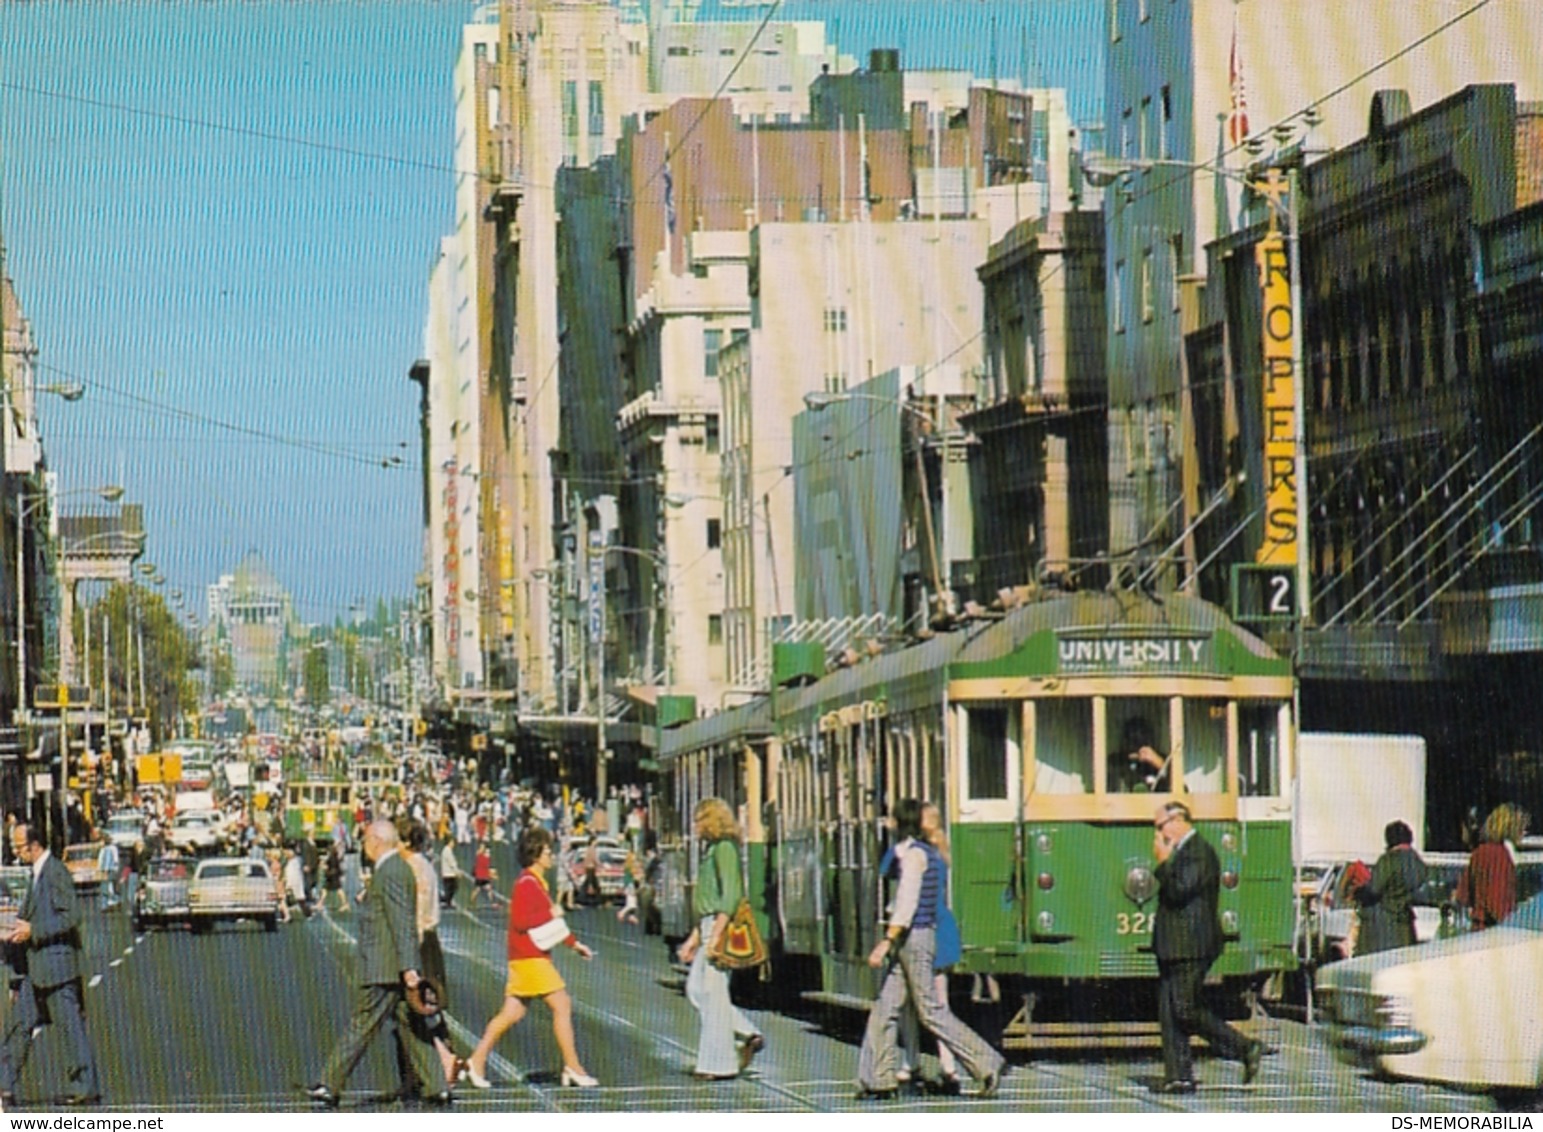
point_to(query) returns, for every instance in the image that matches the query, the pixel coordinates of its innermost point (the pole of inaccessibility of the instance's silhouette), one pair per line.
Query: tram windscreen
(1063, 746)
(1259, 750)
(1205, 746)
(988, 752)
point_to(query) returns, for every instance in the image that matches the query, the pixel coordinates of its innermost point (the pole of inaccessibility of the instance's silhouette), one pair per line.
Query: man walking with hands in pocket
(1187, 938)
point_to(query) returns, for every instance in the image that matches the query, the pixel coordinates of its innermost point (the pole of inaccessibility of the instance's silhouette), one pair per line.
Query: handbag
(548, 935)
(740, 946)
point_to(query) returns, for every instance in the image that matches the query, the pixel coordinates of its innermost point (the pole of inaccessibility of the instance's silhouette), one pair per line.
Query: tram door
(987, 764)
(800, 863)
(851, 846)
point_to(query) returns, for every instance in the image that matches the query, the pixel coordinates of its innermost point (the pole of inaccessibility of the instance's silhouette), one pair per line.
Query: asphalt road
(239, 1020)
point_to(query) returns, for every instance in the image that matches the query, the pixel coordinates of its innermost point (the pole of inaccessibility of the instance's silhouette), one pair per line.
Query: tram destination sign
(1134, 654)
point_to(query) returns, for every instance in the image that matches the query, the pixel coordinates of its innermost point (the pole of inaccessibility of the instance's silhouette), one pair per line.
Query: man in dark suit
(389, 964)
(44, 952)
(1187, 939)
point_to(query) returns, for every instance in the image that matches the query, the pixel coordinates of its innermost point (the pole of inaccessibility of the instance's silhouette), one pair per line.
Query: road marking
(116, 963)
(95, 979)
(128, 951)
(496, 1062)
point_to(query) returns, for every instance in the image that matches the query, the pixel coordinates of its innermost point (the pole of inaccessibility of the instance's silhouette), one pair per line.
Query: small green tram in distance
(1016, 726)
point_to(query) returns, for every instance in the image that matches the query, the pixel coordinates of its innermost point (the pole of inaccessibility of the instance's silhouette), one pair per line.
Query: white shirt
(913, 867)
(37, 866)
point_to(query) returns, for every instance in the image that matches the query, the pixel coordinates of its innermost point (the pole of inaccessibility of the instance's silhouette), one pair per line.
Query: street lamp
(26, 505)
(818, 401)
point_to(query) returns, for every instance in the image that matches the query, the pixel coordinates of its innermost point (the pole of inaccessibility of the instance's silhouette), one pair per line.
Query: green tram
(315, 806)
(1014, 726)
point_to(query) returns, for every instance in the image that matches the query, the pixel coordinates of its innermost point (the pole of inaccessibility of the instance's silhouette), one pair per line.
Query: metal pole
(139, 633)
(90, 699)
(21, 608)
(600, 754)
(64, 776)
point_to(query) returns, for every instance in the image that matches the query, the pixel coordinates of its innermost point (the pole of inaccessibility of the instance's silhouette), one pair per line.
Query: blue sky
(244, 302)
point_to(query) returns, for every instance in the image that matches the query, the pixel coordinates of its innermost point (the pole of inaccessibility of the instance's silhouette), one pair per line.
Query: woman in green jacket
(728, 1039)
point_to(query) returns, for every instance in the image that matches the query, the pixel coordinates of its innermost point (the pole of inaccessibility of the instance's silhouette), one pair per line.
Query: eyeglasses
(1165, 821)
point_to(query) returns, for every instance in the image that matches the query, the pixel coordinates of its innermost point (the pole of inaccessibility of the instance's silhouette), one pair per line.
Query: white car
(1462, 1010)
(232, 888)
(126, 828)
(1329, 907)
(196, 831)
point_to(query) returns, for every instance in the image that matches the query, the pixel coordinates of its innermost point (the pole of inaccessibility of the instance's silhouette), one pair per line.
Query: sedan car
(81, 861)
(612, 856)
(1456, 1010)
(196, 831)
(162, 897)
(126, 828)
(1331, 907)
(232, 888)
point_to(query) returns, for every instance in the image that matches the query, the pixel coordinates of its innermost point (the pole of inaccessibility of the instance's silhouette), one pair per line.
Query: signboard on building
(1279, 547)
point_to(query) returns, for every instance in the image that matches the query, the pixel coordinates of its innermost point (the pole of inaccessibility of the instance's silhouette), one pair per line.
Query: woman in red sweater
(532, 974)
(1488, 887)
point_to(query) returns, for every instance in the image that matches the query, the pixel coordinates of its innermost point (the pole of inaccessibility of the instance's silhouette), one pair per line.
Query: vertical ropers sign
(1279, 546)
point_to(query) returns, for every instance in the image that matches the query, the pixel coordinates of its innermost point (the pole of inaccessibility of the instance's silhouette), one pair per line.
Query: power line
(214, 422)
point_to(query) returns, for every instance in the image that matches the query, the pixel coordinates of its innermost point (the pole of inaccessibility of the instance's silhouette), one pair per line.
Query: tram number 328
(1134, 923)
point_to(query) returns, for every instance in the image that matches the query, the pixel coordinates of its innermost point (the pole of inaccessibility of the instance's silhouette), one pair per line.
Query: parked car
(162, 897)
(1330, 906)
(196, 831)
(1457, 1010)
(232, 888)
(612, 856)
(81, 860)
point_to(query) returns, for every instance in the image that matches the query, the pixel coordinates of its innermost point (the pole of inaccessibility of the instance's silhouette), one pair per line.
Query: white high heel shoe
(573, 1078)
(478, 1081)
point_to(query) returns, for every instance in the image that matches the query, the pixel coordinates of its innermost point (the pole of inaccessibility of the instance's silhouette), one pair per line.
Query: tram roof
(743, 722)
(1109, 613)
(899, 677)
(913, 676)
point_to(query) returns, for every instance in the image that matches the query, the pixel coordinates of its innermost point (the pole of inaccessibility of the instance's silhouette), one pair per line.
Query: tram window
(1258, 750)
(1205, 746)
(987, 752)
(1139, 745)
(1063, 749)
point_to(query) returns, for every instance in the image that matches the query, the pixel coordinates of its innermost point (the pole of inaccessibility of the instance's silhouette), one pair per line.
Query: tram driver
(1139, 767)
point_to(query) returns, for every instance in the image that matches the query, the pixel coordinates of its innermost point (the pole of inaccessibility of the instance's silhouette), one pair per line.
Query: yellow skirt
(533, 978)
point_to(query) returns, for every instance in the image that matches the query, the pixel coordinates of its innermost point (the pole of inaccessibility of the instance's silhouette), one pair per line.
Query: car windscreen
(168, 870)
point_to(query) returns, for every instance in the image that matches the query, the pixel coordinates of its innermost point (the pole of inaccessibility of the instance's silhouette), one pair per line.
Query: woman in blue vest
(949, 952)
(907, 954)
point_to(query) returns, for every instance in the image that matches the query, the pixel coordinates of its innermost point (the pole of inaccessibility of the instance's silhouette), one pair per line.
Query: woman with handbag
(536, 926)
(719, 888)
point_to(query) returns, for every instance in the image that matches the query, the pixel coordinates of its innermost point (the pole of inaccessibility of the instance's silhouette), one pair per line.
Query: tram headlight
(1229, 879)
(1230, 842)
(1140, 884)
(1042, 843)
(1045, 881)
(1044, 923)
(1230, 922)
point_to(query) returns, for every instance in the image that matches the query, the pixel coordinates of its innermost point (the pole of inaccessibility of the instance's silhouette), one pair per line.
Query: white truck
(1349, 787)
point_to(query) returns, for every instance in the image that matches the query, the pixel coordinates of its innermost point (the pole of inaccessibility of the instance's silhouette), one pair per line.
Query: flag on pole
(1237, 120)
